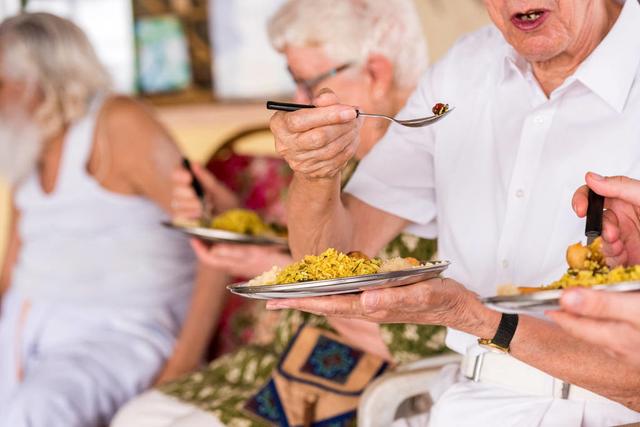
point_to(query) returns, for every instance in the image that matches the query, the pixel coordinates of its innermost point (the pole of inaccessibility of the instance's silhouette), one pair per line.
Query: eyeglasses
(308, 86)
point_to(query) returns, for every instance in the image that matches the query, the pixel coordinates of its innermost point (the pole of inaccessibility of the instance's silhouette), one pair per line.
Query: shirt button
(520, 193)
(538, 120)
(505, 263)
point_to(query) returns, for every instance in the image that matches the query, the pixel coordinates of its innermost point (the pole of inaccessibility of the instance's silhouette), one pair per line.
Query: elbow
(629, 396)
(632, 401)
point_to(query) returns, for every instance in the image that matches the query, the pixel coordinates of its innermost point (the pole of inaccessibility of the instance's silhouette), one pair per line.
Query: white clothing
(494, 180)
(155, 409)
(453, 406)
(97, 299)
(79, 364)
(83, 243)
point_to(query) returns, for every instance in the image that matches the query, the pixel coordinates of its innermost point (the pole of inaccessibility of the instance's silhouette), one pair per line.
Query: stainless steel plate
(537, 302)
(223, 236)
(341, 286)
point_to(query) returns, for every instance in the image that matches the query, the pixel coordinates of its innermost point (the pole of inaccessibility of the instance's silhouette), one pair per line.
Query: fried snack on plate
(587, 268)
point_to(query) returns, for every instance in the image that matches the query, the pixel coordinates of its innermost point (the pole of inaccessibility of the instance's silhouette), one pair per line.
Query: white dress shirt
(494, 180)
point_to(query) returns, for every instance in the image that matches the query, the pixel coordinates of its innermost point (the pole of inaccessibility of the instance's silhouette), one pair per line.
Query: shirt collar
(611, 68)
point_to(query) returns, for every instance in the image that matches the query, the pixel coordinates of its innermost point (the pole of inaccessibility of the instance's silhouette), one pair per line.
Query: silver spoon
(413, 123)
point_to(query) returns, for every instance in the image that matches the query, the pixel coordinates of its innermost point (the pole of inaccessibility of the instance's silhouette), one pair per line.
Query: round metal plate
(537, 302)
(341, 286)
(223, 236)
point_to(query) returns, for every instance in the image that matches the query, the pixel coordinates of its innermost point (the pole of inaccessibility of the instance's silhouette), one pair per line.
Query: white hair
(20, 146)
(52, 55)
(351, 30)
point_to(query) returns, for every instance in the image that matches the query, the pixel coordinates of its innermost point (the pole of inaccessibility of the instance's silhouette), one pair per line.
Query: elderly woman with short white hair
(549, 91)
(368, 71)
(93, 289)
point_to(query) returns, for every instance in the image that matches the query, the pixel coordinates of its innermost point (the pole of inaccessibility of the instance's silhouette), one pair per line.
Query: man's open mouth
(529, 20)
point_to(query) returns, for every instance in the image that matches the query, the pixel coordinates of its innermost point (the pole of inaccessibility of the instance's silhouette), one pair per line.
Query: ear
(380, 71)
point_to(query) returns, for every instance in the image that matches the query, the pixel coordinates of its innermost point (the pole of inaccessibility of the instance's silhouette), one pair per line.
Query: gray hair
(351, 30)
(54, 56)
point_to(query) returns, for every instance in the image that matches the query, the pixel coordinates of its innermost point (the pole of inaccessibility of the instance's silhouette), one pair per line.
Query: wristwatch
(506, 330)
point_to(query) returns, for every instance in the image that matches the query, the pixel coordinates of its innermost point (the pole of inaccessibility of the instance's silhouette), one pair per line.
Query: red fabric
(261, 184)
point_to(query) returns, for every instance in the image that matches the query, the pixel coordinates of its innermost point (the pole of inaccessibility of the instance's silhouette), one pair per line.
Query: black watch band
(506, 330)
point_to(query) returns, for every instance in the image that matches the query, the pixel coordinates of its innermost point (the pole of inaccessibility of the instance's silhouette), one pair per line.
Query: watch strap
(506, 330)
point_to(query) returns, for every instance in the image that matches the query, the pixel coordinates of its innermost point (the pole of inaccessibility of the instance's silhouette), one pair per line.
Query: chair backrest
(259, 179)
(246, 163)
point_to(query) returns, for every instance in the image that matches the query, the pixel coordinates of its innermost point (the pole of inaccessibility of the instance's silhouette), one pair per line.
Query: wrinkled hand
(608, 320)
(434, 302)
(185, 204)
(621, 222)
(245, 261)
(317, 142)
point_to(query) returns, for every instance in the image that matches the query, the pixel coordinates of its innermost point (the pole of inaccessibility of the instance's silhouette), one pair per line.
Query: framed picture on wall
(245, 65)
(163, 55)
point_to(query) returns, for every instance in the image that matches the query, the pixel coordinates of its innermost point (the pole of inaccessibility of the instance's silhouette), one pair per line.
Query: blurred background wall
(169, 52)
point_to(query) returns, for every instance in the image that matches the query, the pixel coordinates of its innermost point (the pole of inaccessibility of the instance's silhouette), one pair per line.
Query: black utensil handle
(286, 106)
(594, 214)
(195, 182)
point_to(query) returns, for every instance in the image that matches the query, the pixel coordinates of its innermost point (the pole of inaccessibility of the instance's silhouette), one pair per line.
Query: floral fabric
(261, 336)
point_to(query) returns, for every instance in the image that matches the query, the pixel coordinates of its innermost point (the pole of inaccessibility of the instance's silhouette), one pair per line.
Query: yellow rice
(604, 276)
(241, 221)
(330, 264)
(587, 267)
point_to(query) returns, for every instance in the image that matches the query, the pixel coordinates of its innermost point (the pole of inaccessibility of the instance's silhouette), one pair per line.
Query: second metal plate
(223, 236)
(537, 302)
(341, 286)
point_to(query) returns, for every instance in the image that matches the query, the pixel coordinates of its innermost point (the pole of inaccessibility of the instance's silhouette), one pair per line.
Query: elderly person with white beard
(548, 92)
(94, 289)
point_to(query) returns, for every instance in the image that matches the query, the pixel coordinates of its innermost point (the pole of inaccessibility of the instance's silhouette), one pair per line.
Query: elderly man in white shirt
(550, 93)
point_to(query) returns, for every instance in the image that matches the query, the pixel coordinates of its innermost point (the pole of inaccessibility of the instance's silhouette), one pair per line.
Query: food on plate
(331, 264)
(244, 221)
(241, 221)
(589, 257)
(587, 268)
(395, 264)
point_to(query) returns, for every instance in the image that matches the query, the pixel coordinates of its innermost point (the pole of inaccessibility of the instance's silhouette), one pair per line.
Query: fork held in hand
(414, 123)
(200, 192)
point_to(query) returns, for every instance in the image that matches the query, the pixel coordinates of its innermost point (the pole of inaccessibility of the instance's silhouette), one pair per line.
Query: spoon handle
(593, 228)
(195, 182)
(286, 106)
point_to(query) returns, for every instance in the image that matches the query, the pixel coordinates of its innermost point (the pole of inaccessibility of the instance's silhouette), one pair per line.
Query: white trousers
(459, 402)
(155, 409)
(463, 403)
(63, 365)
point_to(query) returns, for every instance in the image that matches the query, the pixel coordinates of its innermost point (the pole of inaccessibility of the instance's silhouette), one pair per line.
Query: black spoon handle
(594, 215)
(195, 182)
(286, 106)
